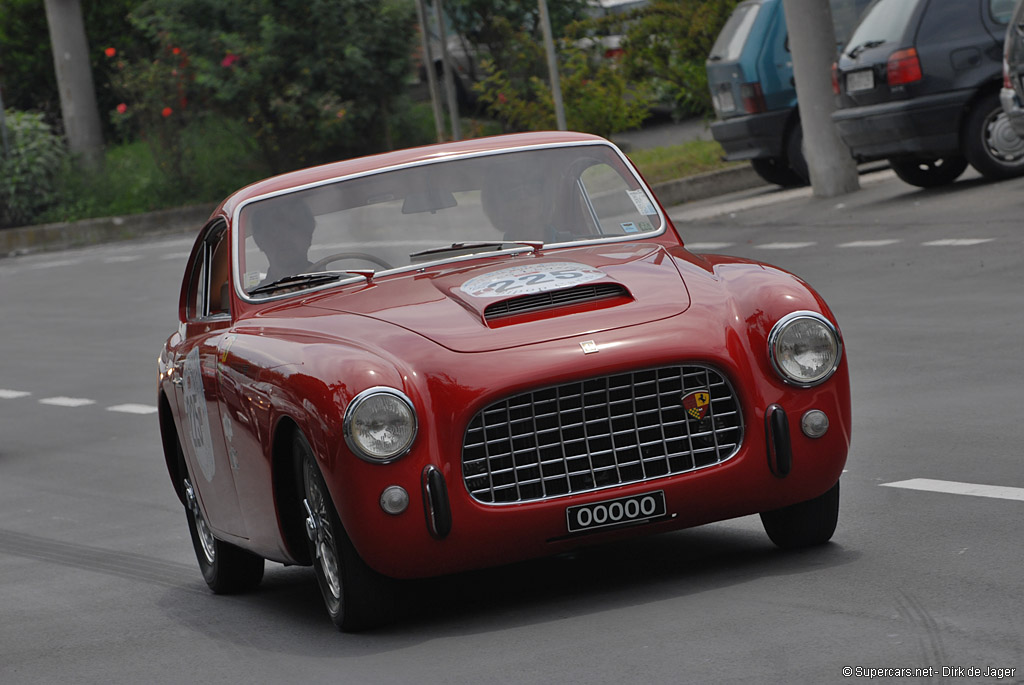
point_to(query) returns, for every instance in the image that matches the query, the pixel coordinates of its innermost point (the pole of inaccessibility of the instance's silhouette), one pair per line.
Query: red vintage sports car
(469, 354)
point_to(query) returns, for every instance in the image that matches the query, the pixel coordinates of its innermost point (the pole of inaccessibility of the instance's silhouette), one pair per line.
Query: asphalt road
(98, 582)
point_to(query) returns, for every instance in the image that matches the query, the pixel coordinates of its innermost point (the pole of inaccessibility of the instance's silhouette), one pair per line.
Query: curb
(188, 220)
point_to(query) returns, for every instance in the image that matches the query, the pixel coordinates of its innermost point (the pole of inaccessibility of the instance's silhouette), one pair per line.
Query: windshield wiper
(458, 249)
(853, 52)
(310, 279)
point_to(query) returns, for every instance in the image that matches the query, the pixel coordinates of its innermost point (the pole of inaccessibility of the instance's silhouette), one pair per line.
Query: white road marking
(13, 394)
(953, 488)
(707, 247)
(121, 259)
(67, 401)
(133, 408)
(784, 246)
(957, 242)
(54, 264)
(869, 243)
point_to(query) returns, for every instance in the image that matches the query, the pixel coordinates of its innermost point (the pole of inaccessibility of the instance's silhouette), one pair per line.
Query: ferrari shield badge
(696, 404)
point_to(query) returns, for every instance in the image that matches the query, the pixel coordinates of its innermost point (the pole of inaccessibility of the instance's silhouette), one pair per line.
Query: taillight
(903, 67)
(753, 98)
(835, 78)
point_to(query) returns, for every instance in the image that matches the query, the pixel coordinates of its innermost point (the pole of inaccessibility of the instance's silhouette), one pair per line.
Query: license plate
(860, 80)
(613, 512)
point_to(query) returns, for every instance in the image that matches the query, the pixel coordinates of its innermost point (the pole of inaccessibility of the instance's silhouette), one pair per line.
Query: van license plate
(860, 80)
(613, 512)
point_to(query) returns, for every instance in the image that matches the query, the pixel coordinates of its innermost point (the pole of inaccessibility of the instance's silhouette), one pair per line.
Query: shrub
(28, 168)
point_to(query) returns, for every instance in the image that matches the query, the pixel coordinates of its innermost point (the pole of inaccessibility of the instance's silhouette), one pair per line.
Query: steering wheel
(320, 264)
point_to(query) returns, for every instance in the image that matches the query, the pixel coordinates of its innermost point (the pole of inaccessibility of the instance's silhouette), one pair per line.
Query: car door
(206, 325)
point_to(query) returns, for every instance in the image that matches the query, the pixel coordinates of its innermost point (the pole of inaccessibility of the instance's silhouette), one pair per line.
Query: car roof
(398, 158)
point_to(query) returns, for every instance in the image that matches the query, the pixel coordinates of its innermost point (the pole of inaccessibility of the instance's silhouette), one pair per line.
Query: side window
(209, 283)
(1001, 10)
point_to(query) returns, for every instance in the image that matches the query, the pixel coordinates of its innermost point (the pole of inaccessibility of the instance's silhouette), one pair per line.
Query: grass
(678, 161)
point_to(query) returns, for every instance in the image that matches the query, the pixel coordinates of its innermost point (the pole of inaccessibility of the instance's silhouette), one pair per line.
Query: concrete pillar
(812, 43)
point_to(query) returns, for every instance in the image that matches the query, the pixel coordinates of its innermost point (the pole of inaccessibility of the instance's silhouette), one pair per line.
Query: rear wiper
(469, 248)
(310, 279)
(852, 54)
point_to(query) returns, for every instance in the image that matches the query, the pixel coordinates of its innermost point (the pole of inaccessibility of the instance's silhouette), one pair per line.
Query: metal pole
(449, 79)
(549, 47)
(428, 66)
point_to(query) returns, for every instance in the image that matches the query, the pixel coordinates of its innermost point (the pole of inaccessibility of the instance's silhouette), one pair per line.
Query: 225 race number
(614, 512)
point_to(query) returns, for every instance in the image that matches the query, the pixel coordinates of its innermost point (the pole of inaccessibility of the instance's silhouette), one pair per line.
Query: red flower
(176, 51)
(122, 108)
(228, 60)
(167, 111)
(110, 52)
(502, 99)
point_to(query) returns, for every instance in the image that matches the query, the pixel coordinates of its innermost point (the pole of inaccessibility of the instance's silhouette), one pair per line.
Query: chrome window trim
(236, 214)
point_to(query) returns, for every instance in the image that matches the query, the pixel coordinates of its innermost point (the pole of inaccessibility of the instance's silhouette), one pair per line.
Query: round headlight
(804, 348)
(380, 425)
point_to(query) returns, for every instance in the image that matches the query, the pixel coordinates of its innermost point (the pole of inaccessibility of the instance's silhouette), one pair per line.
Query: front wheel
(927, 172)
(226, 569)
(805, 524)
(990, 143)
(356, 597)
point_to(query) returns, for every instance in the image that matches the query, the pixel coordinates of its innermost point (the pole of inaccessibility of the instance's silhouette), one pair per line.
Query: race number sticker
(529, 279)
(642, 203)
(196, 416)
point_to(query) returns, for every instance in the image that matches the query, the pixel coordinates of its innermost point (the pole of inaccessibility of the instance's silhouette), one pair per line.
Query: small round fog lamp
(814, 423)
(394, 500)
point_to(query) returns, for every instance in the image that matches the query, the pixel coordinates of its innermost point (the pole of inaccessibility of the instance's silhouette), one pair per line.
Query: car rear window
(883, 22)
(729, 44)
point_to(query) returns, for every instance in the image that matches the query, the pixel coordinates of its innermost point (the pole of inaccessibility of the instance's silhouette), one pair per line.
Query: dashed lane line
(12, 394)
(67, 401)
(954, 488)
(869, 243)
(957, 242)
(133, 409)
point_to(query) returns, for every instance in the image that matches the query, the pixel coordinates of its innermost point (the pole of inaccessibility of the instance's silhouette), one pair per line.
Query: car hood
(492, 304)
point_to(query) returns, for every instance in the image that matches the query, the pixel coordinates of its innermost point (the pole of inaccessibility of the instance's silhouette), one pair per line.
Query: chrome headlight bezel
(777, 342)
(352, 415)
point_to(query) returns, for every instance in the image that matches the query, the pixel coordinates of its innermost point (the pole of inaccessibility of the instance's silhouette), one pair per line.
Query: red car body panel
(297, 363)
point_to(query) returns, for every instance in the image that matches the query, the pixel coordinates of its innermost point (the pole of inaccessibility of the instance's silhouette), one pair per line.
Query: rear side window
(729, 44)
(1001, 10)
(951, 21)
(884, 22)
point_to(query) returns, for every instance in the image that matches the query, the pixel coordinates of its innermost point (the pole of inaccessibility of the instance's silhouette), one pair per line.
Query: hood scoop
(553, 299)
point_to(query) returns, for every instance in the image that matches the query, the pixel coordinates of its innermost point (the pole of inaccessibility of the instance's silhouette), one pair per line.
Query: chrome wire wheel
(320, 532)
(206, 540)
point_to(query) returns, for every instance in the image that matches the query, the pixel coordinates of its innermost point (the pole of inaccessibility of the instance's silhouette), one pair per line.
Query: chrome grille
(553, 298)
(599, 433)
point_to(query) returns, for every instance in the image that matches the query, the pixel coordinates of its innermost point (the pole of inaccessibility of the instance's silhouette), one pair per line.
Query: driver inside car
(283, 231)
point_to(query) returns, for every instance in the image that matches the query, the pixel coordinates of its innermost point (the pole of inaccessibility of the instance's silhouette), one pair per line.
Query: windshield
(883, 22)
(441, 210)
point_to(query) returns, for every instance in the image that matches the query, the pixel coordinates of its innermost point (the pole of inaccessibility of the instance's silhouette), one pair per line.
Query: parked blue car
(750, 73)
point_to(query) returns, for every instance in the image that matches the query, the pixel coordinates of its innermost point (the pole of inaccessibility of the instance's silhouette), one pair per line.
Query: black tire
(795, 154)
(990, 144)
(355, 595)
(805, 524)
(227, 569)
(928, 173)
(776, 171)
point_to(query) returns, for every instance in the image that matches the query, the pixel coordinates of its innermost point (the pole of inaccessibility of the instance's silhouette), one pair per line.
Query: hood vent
(553, 299)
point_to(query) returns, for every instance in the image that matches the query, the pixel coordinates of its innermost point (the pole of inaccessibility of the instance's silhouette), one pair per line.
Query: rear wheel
(805, 524)
(929, 173)
(356, 597)
(795, 154)
(226, 569)
(990, 143)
